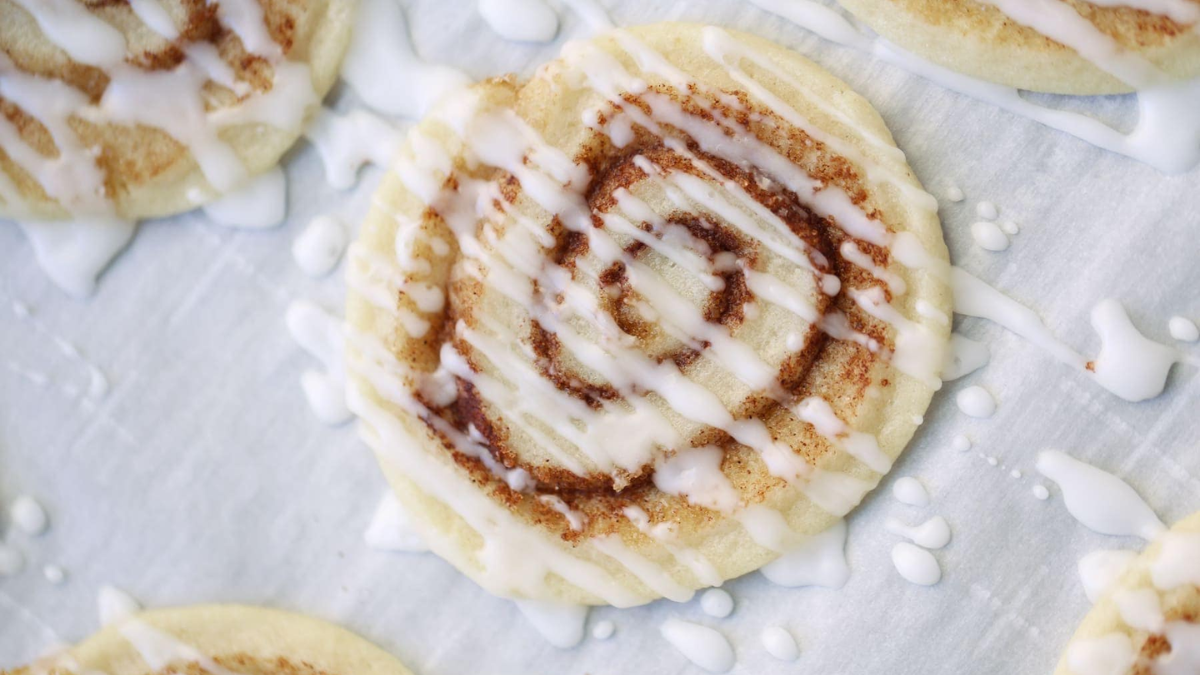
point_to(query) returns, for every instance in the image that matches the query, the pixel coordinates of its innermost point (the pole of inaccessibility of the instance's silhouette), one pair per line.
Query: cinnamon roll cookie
(219, 640)
(1055, 46)
(643, 322)
(152, 107)
(1149, 620)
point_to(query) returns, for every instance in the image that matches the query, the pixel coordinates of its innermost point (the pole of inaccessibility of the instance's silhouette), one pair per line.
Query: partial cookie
(149, 108)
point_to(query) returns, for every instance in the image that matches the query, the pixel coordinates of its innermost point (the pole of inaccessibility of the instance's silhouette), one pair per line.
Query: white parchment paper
(203, 477)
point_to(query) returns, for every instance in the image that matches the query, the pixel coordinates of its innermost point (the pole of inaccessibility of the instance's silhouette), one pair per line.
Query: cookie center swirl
(673, 292)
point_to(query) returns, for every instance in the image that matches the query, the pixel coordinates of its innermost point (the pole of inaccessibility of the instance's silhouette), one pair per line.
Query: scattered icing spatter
(1041, 492)
(320, 246)
(703, 646)
(1099, 569)
(73, 253)
(258, 205)
(561, 625)
(114, 604)
(987, 211)
(717, 602)
(384, 71)
(989, 236)
(1098, 499)
(1129, 364)
(1010, 228)
(916, 564)
(11, 560)
(961, 443)
(28, 515)
(54, 574)
(347, 142)
(520, 20)
(391, 530)
(1183, 329)
(965, 357)
(953, 193)
(1167, 128)
(908, 490)
(603, 630)
(975, 401)
(819, 560)
(778, 642)
(931, 534)
(320, 334)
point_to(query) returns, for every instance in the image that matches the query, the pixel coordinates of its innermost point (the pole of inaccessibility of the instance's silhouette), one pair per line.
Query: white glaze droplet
(1041, 492)
(54, 574)
(933, 533)
(11, 560)
(74, 253)
(975, 401)
(961, 443)
(1129, 364)
(987, 210)
(1010, 228)
(909, 490)
(391, 530)
(964, 357)
(259, 205)
(779, 643)
(561, 625)
(716, 602)
(819, 560)
(954, 194)
(915, 564)
(1183, 329)
(1099, 569)
(319, 247)
(114, 604)
(29, 516)
(989, 236)
(520, 20)
(703, 646)
(1098, 499)
(603, 629)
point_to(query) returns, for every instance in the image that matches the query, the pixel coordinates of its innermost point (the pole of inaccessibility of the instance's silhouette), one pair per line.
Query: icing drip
(1183, 329)
(1167, 134)
(260, 204)
(384, 71)
(390, 529)
(779, 643)
(347, 142)
(115, 605)
(603, 630)
(1099, 500)
(975, 401)
(320, 334)
(716, 603)
(965, 357)
(1179, 561)
(561, 625)
(915, 564)
(819, 560)
(74, 253)
(701, 645)
(908, 490)
(932, 534)
(28, 515)
(989, 236)
(520, 20)
(319, 247)
(1099, 569)
(160, 650)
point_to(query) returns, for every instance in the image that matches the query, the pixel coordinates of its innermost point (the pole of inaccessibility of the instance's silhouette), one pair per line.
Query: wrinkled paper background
(203, 477)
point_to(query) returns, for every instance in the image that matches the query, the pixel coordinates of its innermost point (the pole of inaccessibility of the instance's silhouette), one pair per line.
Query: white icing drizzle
(319, 247)
(347, 142)
(975, 401)
(915, 564)
(561, 625)
(1167, 128)
(965, 357)
(390, 528)
(114, 605)
(703, 646)
(779, 643)
(908, 490)
(1183, 329)
(933, 533)
(819, 560)
(258, 205)
(1110, 654)
(160, 649)
(1178, 562)
(520, 20)
(74, 253)
(1140, 608)
(717, 603)
(384, 71)
(28, 515)
(320, 334)
(1099, 500)
(1099, 569)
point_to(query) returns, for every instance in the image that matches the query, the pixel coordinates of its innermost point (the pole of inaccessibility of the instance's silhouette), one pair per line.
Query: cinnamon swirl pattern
(219, 640)
(640, 324)
(152, 107)
(1056, 46)
(1149, 620)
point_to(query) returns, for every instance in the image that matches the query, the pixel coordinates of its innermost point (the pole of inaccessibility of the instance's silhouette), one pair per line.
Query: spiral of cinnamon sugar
(644, 322)
(1079, 47)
